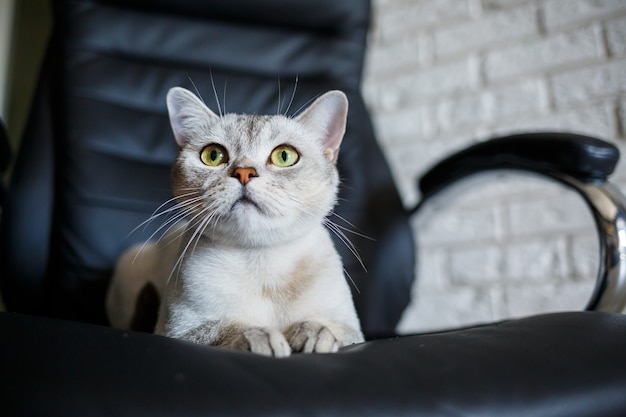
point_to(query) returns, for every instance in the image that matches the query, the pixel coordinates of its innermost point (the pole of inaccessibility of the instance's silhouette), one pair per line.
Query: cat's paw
(264, 341)
(311, 336)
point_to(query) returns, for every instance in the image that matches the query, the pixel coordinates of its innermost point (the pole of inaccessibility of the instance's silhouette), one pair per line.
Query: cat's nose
(244, 174)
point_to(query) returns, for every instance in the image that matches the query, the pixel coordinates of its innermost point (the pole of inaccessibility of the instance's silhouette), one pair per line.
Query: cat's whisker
(195, 236)
(195, 222)
(354, 232)
(216, 221)
(345, 229)
(188, 189)
(306, 104)
(178, 263)
(217, 99)
(224, 95)
(198, 218)
(278, 109)
(155, 214)
(351, 247)
(196, 197)
(346, 241)
(172, 221)
(345, 271)
(180, 210)
(202, 228)
(197, 91)
(293, 95)
(338, 231)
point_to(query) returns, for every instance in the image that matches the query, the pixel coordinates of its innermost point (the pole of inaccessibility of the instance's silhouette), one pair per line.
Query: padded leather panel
(566, 364)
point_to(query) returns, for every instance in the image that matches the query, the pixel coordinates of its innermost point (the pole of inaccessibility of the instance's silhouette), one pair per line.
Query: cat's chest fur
(275, 285)
(282, 272)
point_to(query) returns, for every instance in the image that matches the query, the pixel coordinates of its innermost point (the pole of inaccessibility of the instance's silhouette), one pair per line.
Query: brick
(411, 16)
(517, 99)
(536, 259)
(566, 213)
(491, 189)
(437, 310)
(582, 85)
(500, 4)
(390, 94)
(493, 28)
(476, 265)
(561, 13)
(462, 110)
(618, 177)
(432, 269)
(452, 225)
(476, 109)
(548, 297)
(402, 53)
(584, 256)
(595, 120)
(382, 99)
(545, 54)
(408, 161)
(469, 195)
(420, 86)
(410, 123)
(405, 163)
(616, 36)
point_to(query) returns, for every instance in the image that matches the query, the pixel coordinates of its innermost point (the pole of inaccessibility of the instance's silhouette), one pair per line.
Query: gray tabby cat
(252, 266)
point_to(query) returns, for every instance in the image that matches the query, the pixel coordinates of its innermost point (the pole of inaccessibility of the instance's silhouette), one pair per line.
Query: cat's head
(249, 180)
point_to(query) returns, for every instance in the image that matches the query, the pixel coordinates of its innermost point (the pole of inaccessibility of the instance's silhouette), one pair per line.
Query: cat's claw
(311, 337)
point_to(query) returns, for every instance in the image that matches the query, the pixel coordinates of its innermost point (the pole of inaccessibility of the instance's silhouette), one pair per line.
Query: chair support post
(608, 207)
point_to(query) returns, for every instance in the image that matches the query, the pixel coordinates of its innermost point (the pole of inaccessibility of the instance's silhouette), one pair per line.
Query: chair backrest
(95, 158)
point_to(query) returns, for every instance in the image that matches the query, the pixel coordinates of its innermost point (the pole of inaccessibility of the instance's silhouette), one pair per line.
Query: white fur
(265, 274)
(240, 277)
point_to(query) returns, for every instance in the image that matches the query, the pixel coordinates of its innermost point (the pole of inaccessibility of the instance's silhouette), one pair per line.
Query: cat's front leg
(316, 337)
(261, 340)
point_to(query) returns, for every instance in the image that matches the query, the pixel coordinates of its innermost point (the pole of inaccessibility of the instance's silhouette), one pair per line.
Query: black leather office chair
(5, 158)
(94, 163)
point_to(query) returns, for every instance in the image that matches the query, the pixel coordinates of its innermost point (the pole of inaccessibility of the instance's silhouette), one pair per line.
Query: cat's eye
(284, 156)
(213, 155)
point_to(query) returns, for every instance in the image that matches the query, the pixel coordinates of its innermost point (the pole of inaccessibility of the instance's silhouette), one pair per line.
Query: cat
(252, 266)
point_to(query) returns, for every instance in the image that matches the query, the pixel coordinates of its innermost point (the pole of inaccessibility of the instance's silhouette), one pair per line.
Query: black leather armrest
(566, 364)
(582, 157)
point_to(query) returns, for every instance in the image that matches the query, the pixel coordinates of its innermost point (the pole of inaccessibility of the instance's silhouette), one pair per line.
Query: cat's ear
(328, 115)
(187, 114)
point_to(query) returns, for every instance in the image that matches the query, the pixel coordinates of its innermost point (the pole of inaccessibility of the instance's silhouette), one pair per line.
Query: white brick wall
(441, 74)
